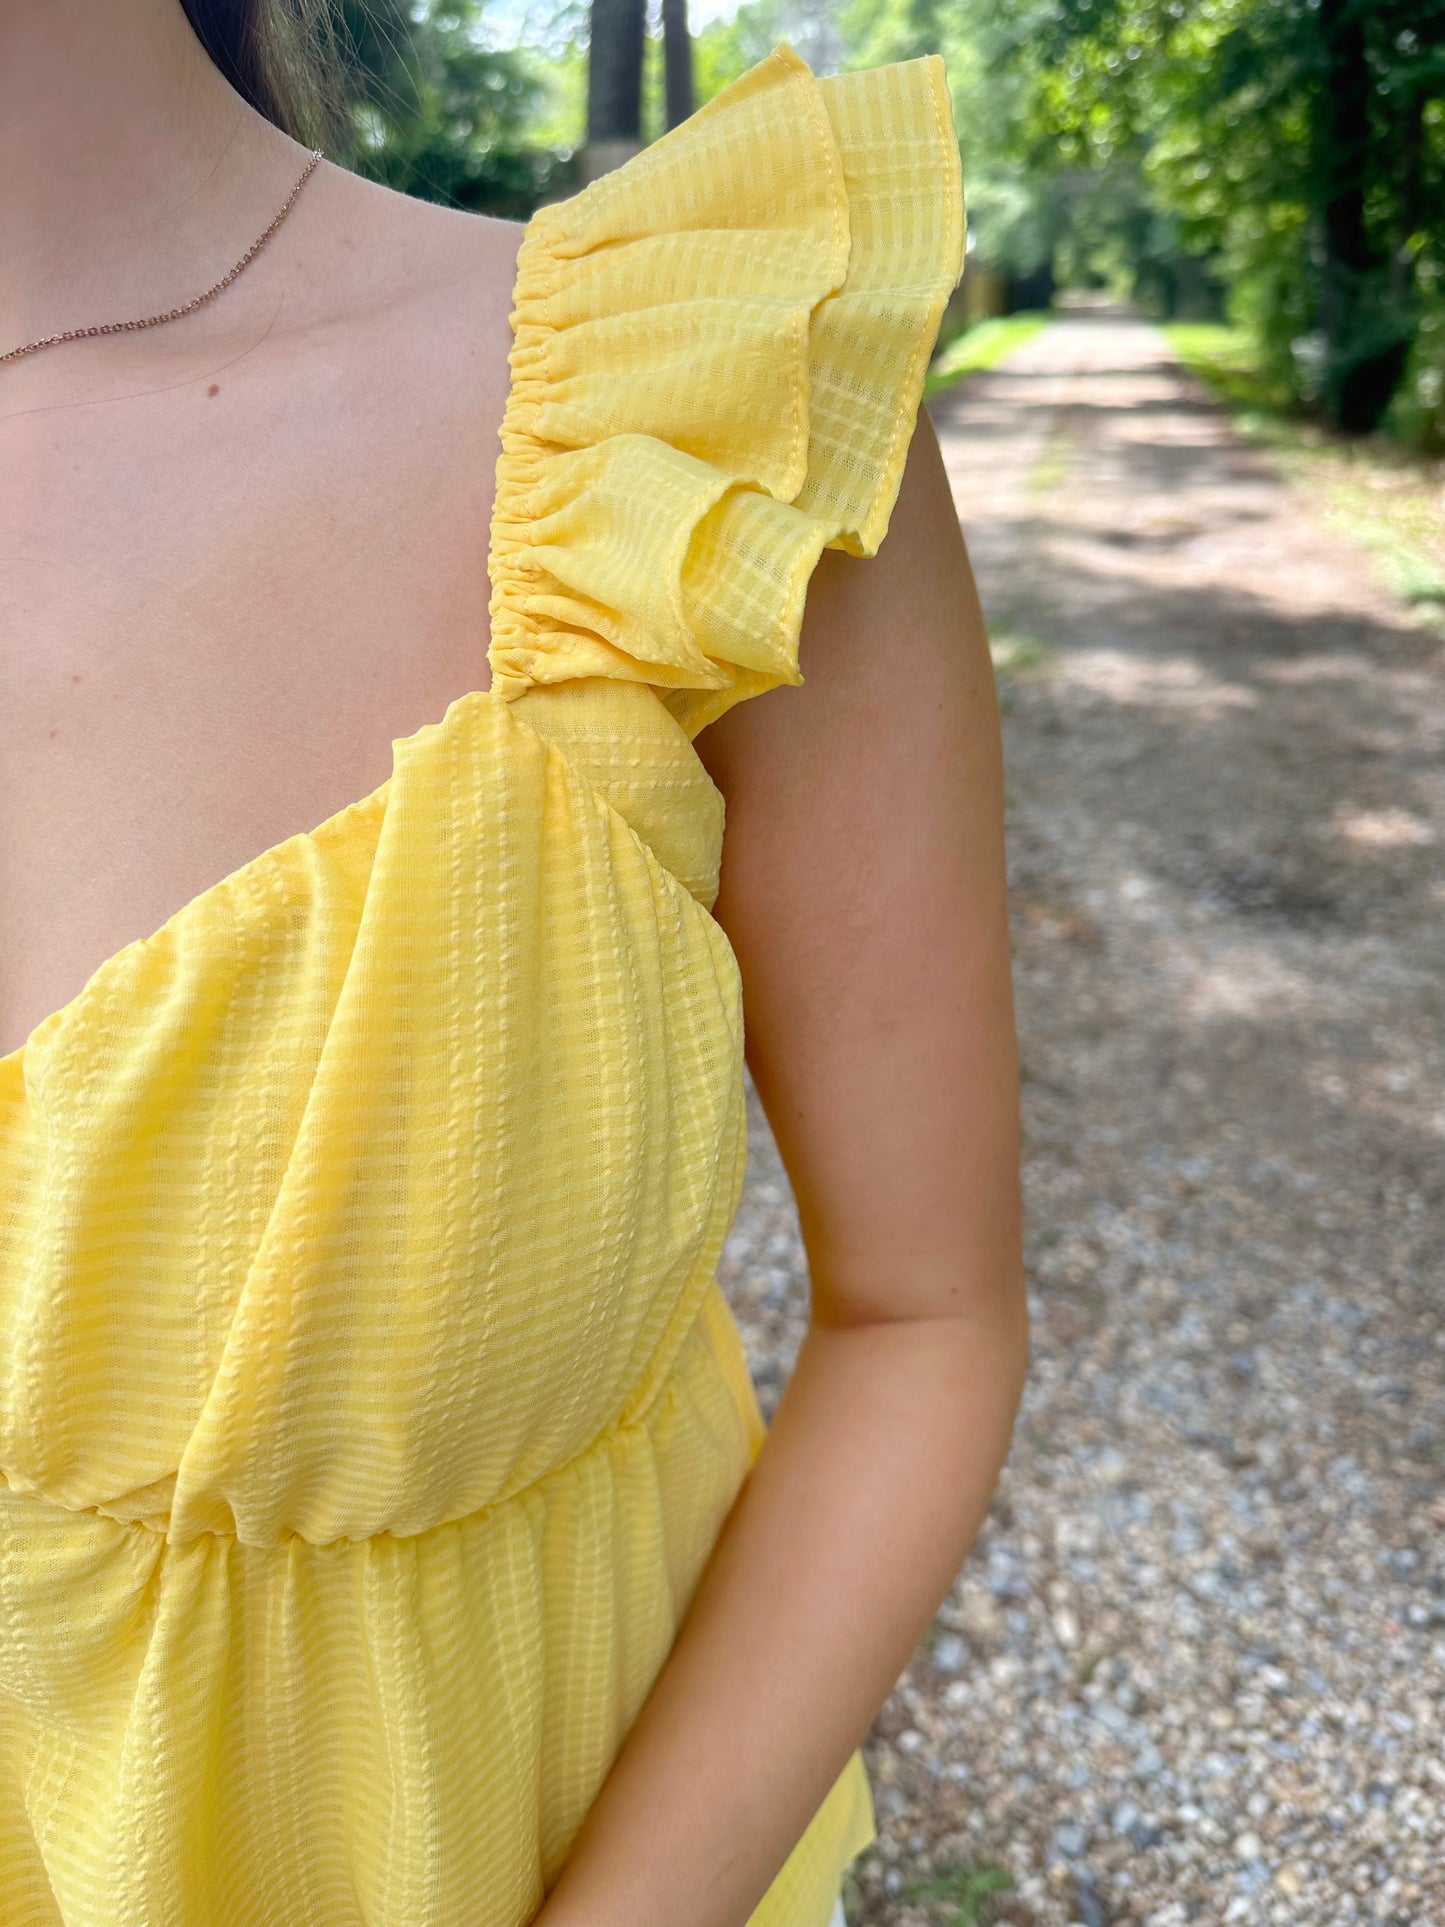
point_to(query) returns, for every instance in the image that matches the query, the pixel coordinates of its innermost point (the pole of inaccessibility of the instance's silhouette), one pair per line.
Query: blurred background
(1191, 397)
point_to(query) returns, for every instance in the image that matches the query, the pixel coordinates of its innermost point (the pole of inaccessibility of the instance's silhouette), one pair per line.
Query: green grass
(1227, 362)
(1409, 571)
(1388, 501)
(960, 1895)
(1019, 655)
(983, 345)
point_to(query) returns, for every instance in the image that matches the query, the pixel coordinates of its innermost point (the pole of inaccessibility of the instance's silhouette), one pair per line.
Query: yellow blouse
(370, 1406)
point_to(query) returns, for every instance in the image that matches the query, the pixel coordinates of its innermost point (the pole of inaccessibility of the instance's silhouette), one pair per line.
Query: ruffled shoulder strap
(719, 351)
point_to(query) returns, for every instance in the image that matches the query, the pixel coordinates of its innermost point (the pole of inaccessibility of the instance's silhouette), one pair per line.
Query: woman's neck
(132, 169)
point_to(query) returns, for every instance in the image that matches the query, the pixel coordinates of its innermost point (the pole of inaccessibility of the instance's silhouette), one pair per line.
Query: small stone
(1070, 1839)
(1091, 1911)
(982, 1620)
(949, 1653)
(1248, 1846)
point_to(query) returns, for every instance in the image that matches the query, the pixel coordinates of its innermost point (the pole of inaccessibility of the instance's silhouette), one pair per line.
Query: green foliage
(1410, 572)
(1298, 147)
(1229, 360)
(1276, 163)
(728, 46)
(439, 114)
(1416, 415)
(961, 1895)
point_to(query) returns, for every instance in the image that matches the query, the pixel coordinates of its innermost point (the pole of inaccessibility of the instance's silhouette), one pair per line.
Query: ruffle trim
(719, 352)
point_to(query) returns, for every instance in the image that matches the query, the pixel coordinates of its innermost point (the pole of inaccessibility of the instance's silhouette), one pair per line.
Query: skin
(312, 457)
(317, 449)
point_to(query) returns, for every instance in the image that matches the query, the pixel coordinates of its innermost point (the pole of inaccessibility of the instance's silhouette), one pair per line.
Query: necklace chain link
(174, 314)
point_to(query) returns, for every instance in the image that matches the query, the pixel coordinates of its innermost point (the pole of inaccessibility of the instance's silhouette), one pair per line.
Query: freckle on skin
(214, 389)
(55, 732)
(75, 675)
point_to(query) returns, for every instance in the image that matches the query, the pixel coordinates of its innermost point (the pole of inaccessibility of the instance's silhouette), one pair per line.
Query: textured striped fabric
(368, 1403)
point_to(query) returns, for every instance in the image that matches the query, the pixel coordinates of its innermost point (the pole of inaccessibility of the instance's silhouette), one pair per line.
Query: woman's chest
(219, 604)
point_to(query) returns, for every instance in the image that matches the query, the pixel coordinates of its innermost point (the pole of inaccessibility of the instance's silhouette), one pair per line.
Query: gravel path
(1194, 1670)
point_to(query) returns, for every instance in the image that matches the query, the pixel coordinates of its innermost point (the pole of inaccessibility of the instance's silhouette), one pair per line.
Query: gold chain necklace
(173, 314)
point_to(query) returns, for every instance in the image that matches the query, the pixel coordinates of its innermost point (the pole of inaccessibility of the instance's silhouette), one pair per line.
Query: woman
(389, 1532)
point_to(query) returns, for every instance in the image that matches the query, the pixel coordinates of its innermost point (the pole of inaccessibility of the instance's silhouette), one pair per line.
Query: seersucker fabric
(369, 1406)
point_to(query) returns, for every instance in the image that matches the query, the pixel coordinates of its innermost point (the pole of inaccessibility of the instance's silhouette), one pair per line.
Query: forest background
(1271, 169)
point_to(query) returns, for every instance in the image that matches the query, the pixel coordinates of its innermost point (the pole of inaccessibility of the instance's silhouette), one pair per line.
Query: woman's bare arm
(863, 892)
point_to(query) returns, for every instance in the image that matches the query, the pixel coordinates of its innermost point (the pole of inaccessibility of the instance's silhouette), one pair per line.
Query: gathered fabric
(369, 1406)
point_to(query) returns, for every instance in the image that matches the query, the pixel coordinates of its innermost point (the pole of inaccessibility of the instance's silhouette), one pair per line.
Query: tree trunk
(1364, 355)
(614, 85)
(676, 62)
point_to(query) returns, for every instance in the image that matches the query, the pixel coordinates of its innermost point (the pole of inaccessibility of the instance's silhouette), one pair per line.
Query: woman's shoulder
(405, 306)
(396, 251)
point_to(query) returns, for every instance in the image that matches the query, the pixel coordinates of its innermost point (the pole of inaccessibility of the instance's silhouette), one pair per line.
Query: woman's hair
(280, 55)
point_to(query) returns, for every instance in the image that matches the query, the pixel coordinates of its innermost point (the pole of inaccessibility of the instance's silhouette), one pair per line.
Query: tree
(438, 114)
(617, 47)
(1297, 142)
(677, 88)
(614, 83)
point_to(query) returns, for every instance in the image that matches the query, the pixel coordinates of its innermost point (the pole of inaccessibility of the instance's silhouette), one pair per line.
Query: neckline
(246, 871)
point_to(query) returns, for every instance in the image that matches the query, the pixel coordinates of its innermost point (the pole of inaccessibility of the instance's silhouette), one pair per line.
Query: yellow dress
(368, 1404)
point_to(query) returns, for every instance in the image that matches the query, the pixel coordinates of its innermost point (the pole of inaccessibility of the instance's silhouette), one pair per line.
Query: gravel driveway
(1194, 1670)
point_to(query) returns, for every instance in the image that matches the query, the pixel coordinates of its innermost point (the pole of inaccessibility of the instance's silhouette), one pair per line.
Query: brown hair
(283, 56)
